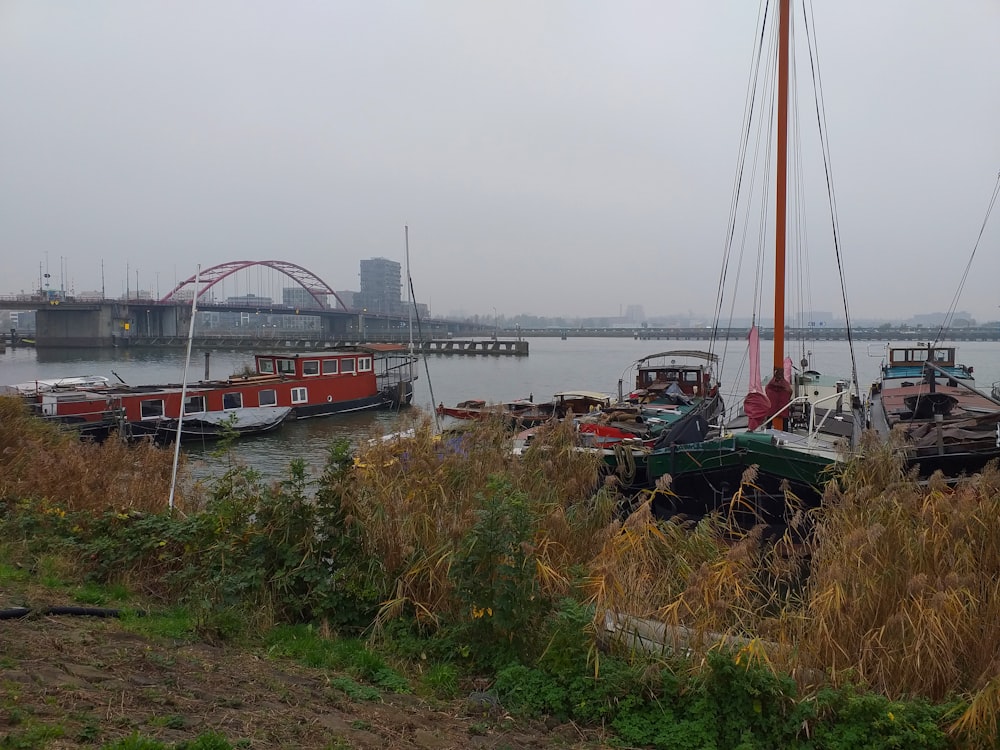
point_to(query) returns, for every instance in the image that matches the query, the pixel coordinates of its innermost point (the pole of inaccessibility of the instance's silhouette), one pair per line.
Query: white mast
(184, 383)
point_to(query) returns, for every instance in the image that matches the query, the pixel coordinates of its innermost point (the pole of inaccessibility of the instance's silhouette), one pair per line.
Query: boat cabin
(688, 371)
(907, 365)
(313, 365)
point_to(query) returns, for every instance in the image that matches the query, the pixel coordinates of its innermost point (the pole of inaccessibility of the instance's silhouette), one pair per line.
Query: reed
(41, 462)
(419, 498)
(903, 594)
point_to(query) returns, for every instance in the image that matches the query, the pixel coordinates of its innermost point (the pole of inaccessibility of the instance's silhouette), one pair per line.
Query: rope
(625, 462)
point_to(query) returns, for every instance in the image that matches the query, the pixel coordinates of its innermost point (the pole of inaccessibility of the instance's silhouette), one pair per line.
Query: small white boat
(54, 384)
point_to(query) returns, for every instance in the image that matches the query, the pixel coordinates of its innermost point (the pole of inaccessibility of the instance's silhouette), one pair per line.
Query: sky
(554, 158)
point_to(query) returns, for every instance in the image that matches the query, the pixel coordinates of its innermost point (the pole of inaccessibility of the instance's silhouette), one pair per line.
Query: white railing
(813, 427)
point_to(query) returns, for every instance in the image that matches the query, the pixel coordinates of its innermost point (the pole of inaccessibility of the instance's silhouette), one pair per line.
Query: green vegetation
(453, 569)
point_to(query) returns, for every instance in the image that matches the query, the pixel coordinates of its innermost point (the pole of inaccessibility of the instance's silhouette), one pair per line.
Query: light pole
(496, 324)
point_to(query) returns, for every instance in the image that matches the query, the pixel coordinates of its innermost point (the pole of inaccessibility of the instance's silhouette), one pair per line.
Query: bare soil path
(90, 680)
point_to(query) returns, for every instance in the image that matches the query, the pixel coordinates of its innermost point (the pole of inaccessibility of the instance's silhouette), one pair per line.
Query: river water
(553, 365)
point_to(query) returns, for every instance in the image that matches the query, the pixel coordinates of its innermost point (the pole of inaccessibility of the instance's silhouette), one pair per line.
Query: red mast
(781, 197)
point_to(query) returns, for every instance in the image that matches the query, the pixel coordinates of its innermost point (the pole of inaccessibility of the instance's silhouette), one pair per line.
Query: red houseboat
(283, 385)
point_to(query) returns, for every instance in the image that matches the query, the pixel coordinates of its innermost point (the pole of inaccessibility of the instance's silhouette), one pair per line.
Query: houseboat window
(232, 400)
(151, 409)
(330, 367)
(364, 364)
(310, 367)
(286, 366)
(268, 397)
(265, 366)
(941, 355)
(347, 365)
(691, 376)
(194, 404)
(299, 395)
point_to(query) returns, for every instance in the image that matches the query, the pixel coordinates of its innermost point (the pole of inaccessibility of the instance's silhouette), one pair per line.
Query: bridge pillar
(334, 326)
(81, 325)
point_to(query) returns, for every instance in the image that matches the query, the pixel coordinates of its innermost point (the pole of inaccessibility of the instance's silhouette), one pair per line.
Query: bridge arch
(301, 276)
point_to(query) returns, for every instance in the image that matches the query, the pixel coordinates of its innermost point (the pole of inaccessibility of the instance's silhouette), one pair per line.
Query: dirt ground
(92, 681)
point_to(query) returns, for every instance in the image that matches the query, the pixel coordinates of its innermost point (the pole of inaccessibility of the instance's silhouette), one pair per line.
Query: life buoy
(329, 399)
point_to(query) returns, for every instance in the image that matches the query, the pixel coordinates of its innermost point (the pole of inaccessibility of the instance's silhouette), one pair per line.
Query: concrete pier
(472, 347)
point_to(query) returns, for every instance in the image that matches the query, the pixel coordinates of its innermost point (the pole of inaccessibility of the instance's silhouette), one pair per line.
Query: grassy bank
(449, 567)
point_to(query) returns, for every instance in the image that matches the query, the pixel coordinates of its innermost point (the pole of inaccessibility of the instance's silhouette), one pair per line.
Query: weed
(354, 691)
(441, 680)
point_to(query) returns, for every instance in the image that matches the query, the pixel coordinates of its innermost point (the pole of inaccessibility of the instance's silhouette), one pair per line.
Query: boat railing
(813, 427)
(996, 390)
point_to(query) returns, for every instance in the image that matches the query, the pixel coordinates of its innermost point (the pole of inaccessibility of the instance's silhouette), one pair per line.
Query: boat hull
(747, 477)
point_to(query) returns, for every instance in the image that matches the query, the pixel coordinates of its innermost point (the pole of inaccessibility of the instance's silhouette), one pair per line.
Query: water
(553, 365)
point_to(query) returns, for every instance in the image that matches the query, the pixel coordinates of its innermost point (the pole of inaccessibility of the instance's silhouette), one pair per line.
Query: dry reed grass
(901, 593)
(418, 497)
(904, 592)
(41, 462)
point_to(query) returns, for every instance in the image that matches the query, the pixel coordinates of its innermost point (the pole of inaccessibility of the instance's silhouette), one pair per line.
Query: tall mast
(409, 298)
(782, 188)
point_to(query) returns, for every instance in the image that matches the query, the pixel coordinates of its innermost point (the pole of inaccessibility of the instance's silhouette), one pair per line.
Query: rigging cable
(946, 324)
(820, 105)
(749, 108)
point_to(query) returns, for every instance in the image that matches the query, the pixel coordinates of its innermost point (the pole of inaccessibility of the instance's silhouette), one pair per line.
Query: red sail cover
(779, 392)
(756, 405)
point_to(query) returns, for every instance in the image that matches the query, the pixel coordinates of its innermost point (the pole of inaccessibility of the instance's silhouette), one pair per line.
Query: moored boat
(524, 413)
(282, 386)
(931, 399)
(773, 460)
(669, 387)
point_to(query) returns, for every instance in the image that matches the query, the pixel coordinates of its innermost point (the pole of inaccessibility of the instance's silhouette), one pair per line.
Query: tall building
(380, 287)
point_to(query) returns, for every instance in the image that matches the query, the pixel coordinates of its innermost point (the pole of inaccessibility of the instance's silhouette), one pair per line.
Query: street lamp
(496, 324)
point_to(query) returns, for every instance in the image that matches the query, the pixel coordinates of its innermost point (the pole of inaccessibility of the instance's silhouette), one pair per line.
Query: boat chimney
(207, 356)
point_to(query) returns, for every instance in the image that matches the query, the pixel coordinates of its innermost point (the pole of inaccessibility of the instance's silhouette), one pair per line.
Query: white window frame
(273, 400)
(143, 411)
(189, 402)
(300, 395)
(308, 364)
(265, 366)
(226, 397)
(364, 364)
(330, 367)
(348, 370)
(285, 366)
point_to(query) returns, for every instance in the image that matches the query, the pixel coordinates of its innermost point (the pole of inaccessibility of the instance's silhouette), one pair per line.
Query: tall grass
(417, 500)
(41, 462)
(904, 591)
(900, 591)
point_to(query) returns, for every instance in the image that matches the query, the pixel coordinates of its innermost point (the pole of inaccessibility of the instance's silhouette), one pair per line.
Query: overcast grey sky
(549, 157)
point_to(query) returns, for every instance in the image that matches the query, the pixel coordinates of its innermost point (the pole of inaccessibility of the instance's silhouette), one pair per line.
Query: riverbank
(79, 681)
(471, 574)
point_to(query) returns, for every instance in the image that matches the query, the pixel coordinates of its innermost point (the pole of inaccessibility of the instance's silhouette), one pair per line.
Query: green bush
(494, 574)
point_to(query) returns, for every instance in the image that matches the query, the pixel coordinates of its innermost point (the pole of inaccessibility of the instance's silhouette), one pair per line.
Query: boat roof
(596, 395)
(689, 353)
(346, 349)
